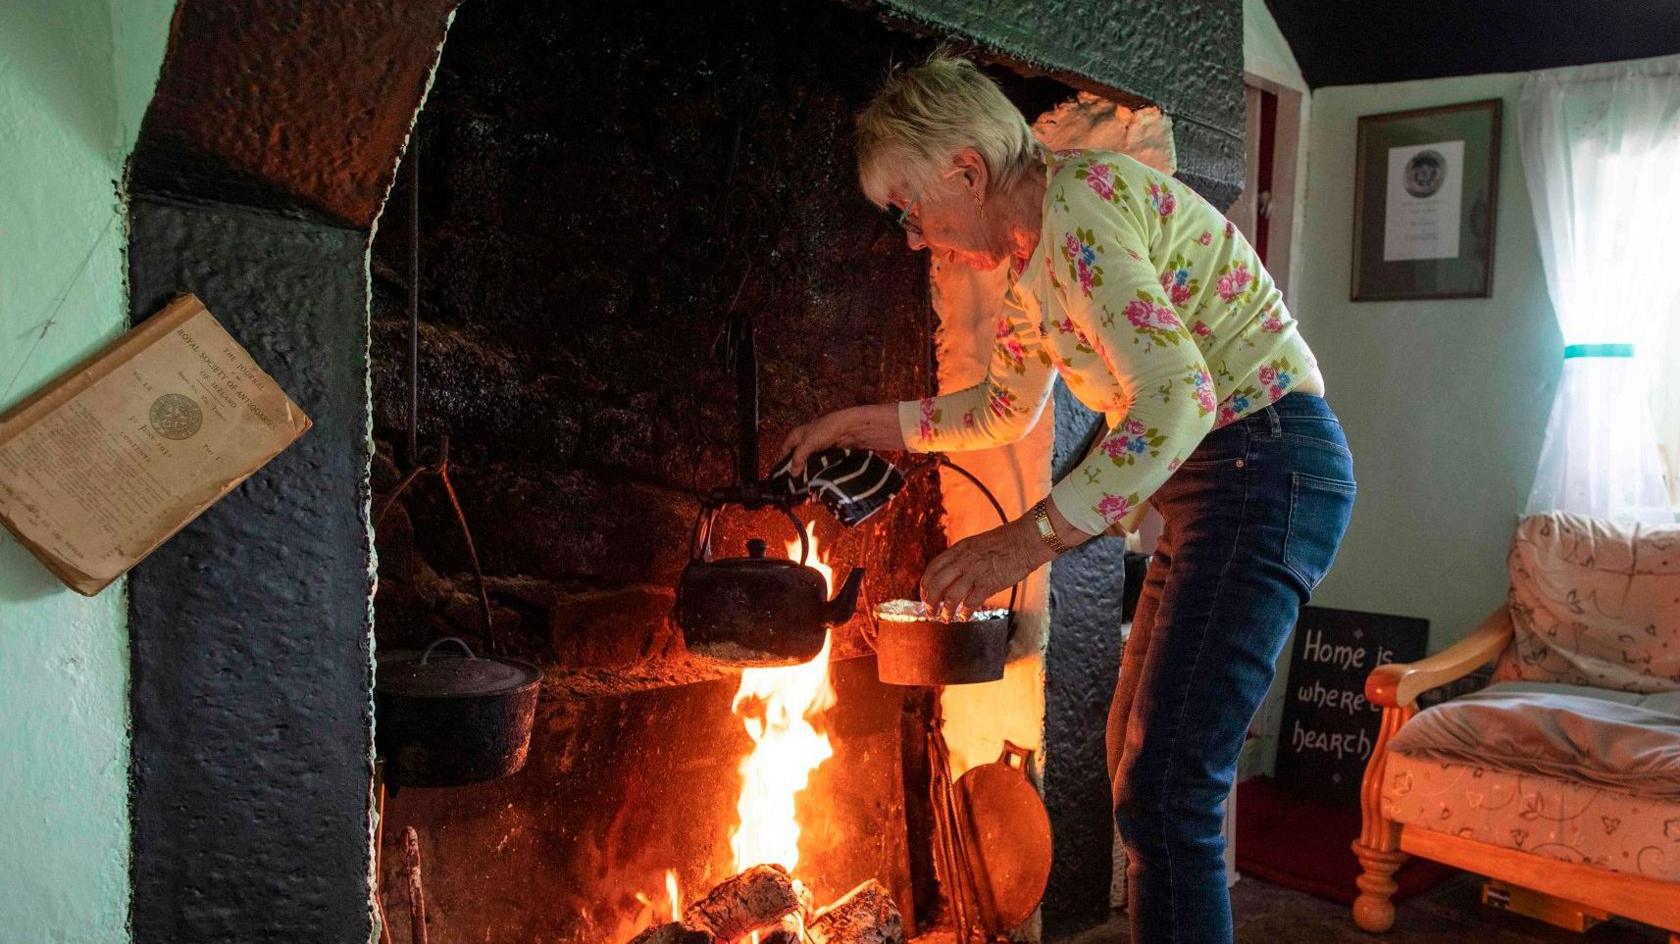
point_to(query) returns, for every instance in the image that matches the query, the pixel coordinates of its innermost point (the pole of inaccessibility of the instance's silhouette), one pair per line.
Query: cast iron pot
(914, 645)
(447, 719)
(757, 610)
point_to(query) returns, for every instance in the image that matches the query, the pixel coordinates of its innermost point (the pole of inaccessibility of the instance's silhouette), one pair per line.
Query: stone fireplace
(598, 189)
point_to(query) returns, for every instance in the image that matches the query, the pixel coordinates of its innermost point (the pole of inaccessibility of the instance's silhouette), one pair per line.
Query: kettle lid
(756, 548)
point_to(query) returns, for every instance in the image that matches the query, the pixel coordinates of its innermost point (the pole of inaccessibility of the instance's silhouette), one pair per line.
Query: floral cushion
(1594, 603)
(1558, 819)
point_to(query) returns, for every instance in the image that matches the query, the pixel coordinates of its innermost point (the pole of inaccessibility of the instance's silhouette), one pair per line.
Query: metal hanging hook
(439, 467)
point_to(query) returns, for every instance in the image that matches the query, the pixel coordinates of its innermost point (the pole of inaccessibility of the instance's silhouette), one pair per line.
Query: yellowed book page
(112, 459)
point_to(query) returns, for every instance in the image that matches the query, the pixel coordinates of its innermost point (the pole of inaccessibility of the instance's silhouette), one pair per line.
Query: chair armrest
(1398, 684)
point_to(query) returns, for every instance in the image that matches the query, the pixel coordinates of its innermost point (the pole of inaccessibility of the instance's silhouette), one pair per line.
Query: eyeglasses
(900, 216)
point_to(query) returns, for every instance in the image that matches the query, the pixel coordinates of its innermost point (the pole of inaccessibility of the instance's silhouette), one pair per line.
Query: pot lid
(449, 674)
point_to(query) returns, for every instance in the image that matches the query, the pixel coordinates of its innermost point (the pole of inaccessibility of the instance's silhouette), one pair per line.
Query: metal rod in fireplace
(746, 398)
(413, 163)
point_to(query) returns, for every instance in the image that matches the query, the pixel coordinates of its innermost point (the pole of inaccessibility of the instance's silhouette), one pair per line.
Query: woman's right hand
(859, 427)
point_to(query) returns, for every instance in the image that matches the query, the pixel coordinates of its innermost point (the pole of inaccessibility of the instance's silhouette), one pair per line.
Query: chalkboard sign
(1329, 728)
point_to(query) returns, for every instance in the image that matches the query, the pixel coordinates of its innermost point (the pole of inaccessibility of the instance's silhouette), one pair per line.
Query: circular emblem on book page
(176, 416)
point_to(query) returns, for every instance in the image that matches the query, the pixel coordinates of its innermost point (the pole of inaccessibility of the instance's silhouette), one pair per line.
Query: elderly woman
(1158, 315)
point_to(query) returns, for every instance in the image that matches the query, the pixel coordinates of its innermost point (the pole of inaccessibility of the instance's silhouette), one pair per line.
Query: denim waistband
(1309, 405)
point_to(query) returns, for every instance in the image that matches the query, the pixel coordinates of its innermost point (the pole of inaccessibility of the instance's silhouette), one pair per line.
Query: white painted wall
(75, 78)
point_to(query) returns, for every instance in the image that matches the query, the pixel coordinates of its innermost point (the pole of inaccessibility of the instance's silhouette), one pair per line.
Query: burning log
(753, 900)
(867, 915)
(807, 906)
(791, 929)
(675, 932)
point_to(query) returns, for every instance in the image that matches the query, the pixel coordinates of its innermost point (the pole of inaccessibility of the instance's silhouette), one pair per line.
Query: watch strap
(1046, 528)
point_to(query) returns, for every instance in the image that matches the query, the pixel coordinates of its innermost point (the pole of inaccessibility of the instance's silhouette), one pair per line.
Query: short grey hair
(925, 114)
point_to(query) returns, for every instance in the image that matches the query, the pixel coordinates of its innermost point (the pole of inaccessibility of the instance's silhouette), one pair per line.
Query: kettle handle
(700, 548)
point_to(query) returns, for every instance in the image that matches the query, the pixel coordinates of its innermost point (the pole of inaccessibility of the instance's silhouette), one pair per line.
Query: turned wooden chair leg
(1373, 910)
(1378, 845)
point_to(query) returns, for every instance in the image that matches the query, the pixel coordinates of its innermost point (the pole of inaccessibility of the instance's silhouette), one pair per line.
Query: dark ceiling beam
(1340, 43)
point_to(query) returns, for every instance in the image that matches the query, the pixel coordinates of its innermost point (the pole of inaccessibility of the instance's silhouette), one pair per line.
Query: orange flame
(671, 893)
(777, 706)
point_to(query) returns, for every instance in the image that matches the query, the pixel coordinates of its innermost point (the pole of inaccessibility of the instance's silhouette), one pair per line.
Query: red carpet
(1302, 844)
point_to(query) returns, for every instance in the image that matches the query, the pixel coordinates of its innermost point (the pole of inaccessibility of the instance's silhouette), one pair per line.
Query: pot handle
(1014, 751)
(427, 654)
(940, 459)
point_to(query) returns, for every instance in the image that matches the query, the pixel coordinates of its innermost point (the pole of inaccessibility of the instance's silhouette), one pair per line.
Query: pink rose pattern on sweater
(1156, 311)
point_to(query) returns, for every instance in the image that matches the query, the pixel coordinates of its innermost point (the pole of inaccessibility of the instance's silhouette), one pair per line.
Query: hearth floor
(1450, 913)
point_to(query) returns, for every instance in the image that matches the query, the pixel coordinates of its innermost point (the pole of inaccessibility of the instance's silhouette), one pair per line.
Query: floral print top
(1157, 314)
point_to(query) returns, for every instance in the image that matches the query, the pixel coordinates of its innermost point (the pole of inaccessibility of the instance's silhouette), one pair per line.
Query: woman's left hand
(974, 568)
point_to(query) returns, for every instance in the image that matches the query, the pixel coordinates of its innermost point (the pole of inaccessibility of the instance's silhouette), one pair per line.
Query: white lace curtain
(1601, 153)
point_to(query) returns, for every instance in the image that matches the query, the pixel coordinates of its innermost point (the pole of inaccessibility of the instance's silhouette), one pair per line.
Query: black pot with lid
(452, 718)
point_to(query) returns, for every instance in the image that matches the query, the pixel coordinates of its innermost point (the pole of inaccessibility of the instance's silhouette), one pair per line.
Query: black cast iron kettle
(756, 610)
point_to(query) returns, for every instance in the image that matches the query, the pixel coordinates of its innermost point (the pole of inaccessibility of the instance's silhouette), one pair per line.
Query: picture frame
(1426, 189)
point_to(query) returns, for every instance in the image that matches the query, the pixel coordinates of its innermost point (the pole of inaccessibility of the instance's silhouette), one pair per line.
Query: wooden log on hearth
(867, 915)
(675, 932)
(807, 903)
(791, 929)
(750, 901)
(416, 887)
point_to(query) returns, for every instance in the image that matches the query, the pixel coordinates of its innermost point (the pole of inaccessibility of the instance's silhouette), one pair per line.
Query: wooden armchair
(1383, 844)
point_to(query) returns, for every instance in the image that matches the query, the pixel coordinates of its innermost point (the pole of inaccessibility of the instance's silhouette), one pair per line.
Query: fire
(650, 913)
(777, 706)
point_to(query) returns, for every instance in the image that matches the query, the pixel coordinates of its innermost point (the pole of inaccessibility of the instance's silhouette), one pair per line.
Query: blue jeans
(1253, 520)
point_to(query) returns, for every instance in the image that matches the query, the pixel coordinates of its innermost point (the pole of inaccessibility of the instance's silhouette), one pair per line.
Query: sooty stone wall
(1081, 666)
(297, 106)
(249, 628)
(600, 183)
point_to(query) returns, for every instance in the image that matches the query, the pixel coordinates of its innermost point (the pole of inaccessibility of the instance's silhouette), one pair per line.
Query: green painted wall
(1265, 52)
(75, 76)
(1444, 402)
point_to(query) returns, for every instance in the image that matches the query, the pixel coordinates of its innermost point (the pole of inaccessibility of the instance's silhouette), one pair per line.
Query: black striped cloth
(853, 483)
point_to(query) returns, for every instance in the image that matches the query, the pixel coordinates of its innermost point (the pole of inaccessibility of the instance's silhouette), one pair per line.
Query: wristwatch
(1046, 530)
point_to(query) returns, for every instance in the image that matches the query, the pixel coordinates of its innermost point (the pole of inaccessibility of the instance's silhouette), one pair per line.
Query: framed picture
(1426, 184)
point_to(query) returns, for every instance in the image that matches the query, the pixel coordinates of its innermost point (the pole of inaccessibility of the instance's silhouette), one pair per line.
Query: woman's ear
(973, 171)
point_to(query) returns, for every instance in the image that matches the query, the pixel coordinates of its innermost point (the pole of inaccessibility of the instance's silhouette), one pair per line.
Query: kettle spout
(844, 604)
